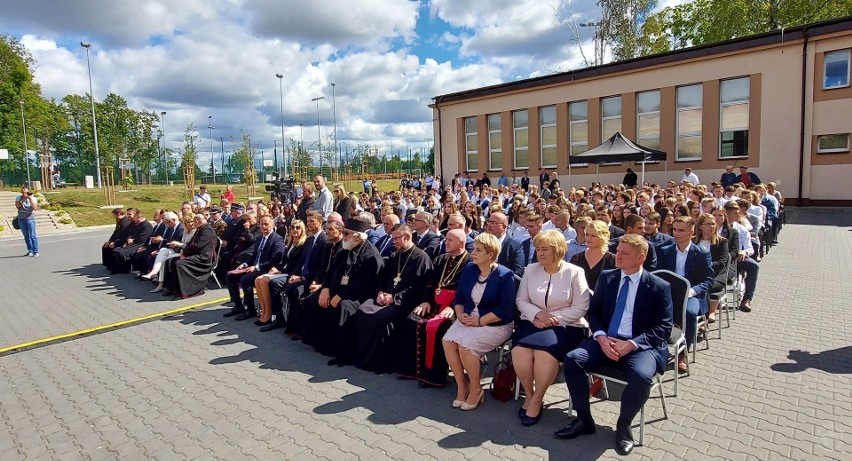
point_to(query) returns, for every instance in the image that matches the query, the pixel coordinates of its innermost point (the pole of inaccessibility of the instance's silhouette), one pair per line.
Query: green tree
(189, 157)
(621, 25)
(709, 21)
(16, 85)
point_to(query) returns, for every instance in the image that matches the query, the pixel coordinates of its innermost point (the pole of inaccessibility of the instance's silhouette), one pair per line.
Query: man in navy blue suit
(534, 226)
(424, 238)
(693, 263)
(511, 253)
(268, 251)
(385, 244)
(630, 315)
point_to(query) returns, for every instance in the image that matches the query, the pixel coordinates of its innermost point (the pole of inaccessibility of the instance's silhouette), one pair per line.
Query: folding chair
(217, 247)
(677, 341)
(613, 374)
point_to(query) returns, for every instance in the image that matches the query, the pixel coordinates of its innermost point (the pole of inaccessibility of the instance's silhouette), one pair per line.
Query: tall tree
(709, 21)
(621, 24)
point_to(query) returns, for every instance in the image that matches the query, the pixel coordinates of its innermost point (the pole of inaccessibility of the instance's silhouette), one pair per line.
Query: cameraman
(27, 204)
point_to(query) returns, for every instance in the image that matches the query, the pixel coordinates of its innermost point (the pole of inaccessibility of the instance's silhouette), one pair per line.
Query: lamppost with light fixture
(212, 162)
(26, 147)
(281, 98)
(597, 37)
(165, 147)
(94, 119)
(334, 115)
(319, 133)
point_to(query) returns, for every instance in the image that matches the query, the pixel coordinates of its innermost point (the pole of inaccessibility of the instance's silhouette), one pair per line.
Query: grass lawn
(82, 204)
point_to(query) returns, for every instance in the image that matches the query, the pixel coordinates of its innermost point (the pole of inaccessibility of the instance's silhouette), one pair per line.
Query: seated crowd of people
(423, 281)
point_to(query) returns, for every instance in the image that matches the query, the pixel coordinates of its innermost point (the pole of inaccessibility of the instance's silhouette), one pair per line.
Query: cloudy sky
(387, 58)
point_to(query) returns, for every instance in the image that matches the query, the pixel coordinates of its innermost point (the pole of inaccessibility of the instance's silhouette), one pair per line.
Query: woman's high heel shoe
(472, 406)
(156, 290)
(458, 403)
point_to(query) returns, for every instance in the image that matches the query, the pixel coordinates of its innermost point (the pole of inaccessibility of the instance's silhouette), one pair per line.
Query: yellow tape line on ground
(111, 325)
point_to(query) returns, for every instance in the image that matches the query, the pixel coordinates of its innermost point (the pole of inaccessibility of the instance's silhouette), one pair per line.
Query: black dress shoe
(260, 324)
(272, 326)
(577, 428)
(246, 315)
(522, 412)
(233, 312)
(623, 440)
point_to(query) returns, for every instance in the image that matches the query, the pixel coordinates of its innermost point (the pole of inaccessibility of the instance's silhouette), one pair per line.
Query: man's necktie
(260, 251)
(620, 304)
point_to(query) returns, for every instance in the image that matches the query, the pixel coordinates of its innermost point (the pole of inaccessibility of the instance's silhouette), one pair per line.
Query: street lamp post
(334, 115)
(165, 146)
(26, 147)
(281, 97)
(319, 133)
(94, 119)
(212, 162)
(597, 36)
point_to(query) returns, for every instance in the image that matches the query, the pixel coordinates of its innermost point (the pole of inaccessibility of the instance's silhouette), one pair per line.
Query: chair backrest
(217, 248)
(680, 292)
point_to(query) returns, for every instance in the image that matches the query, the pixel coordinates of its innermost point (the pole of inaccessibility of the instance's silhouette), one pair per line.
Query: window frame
(542, 146)
(848, 54)
(722, 105)
(491, 149)
(467, 150)
(571, 123)
(689, 134)
(515, 147)
(835, 150)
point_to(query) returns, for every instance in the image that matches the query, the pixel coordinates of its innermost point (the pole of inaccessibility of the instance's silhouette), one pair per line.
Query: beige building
(779, 102)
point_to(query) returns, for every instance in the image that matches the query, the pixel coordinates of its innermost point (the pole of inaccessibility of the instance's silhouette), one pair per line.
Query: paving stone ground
(197, 386)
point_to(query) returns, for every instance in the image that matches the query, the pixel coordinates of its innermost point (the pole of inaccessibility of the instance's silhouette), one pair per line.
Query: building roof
(728, 46)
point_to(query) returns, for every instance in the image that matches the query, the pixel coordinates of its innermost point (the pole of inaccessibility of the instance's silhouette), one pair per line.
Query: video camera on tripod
(283, 189)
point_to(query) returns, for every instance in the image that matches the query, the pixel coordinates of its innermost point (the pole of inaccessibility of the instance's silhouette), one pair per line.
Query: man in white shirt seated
(560, 221)
(745, 263)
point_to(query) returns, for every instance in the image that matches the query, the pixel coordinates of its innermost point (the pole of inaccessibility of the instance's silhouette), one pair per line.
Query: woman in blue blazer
(485, 309)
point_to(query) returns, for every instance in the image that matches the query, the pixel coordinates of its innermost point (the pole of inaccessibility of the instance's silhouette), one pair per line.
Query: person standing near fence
(27, 204)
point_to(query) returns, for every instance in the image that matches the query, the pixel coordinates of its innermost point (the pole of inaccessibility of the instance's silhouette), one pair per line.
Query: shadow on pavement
(123, 286)
(835, 361)
(394, 401)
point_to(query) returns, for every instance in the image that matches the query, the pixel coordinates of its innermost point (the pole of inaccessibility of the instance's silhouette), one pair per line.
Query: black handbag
(16, 224)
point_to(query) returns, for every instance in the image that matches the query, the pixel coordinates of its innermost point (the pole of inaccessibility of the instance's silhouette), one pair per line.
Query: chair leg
(662, 397)
(517, 388)
(605, 389)
(216, 279)
(642, 426)
(676, 373)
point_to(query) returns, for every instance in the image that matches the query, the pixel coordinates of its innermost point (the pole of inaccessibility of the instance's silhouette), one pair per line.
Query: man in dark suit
(139, 232)
(635, 224)
(424, 238)
(630, 316)
(655, 238)
(604, 214)
(511, 252)
(525, 181)
(268, 251)
(534, 226)
(693, 263)
(385, 244)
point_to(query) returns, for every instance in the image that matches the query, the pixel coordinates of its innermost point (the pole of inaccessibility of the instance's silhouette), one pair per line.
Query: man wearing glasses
(512, 252)
(424, 238)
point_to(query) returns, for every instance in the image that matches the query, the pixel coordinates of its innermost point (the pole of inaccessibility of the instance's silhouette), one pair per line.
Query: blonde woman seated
(296, 236)
(552, 299)
(485, 307)
(172, 250)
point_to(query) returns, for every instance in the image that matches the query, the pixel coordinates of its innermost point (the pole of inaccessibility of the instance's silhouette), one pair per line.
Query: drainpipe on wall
(799, 200)
(440, 138)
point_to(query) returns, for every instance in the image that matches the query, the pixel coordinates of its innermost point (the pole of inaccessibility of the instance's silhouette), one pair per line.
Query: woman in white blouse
(552, 300)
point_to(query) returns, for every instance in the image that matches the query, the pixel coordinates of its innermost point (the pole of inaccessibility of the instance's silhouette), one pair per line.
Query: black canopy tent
(617, 149)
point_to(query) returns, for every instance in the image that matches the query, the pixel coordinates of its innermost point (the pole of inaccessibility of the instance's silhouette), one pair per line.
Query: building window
(520, 124)
(648, 119)
(689, 103)
(547, 120)
(495, 143)
(734, 96)
(579, 130)
(470, 140)
(610, 116)
(836, 73)
(830, 143)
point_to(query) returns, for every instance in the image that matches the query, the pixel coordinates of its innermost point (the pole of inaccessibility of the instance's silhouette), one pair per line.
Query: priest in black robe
(400, 290)
(139, 232)
(353, 280)
(187, 275)
(118, 236)
(420, 354)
